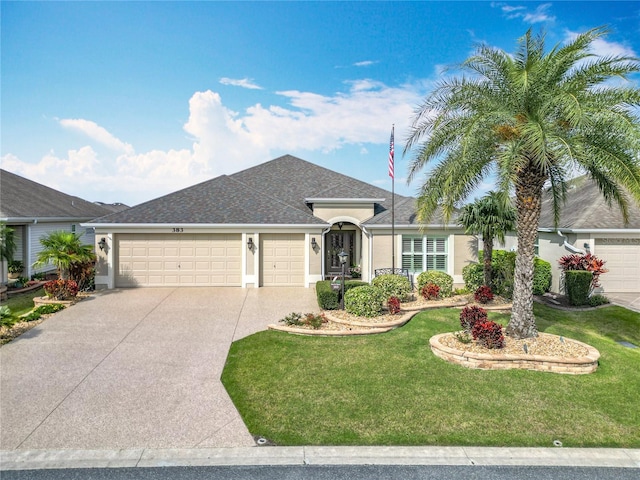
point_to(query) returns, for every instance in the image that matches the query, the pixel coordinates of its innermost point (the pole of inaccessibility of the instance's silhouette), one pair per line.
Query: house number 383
(178, 229)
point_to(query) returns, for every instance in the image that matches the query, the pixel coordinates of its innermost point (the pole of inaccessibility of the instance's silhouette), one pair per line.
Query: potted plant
(15, 269)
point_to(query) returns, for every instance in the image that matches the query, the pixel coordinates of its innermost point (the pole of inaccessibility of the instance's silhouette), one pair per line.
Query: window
(420, 253)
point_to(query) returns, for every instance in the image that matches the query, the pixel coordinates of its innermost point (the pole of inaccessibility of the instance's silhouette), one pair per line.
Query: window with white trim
(428, 252)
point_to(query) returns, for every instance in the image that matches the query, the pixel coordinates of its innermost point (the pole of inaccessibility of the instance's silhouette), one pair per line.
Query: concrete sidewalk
(137, 368)
(51, 459)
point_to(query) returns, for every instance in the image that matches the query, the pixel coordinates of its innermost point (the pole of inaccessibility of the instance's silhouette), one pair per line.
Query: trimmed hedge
(393, 285)
(328, 299)
(578, 285)
(541, 276)
(441, 279)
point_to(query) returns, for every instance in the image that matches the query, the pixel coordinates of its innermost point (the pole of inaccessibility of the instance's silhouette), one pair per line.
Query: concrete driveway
(137, 368)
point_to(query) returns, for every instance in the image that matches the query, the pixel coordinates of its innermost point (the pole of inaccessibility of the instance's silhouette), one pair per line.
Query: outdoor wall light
(250, 243)
(314, 244)
(102, 243)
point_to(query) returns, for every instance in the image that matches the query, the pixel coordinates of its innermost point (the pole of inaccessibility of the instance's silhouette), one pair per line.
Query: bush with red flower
(61, 289)
(483, 294)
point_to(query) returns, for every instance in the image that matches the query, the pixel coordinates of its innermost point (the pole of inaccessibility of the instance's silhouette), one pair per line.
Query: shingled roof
(22, 199)
(586, 209)
(272, 193)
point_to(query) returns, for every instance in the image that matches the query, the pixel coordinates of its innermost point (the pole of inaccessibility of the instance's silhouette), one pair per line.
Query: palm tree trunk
(528, 204)
(488, 254)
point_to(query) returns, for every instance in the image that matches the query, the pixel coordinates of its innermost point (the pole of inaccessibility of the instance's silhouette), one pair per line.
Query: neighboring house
(33, 210)
(588, 224)
(281, 223)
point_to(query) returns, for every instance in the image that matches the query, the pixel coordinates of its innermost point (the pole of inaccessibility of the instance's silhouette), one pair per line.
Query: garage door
(282, 260)
(623, 263)
(178, 260)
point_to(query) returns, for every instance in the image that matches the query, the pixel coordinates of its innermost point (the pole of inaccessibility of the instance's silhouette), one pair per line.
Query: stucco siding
(465, 252)
(359, 213)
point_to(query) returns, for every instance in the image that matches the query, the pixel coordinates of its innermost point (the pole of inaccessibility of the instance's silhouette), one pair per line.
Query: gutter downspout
(568, 246)
(324, 232)
(370, 248)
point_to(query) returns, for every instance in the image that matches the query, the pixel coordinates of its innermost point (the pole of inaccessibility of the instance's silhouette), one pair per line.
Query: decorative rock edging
(332, 333)
(488, 361)
(428, 306)
(37, 301)
(408, 315)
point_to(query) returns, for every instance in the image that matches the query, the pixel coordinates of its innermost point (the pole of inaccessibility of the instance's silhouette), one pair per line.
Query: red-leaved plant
(430, 291)
(488, 334)
(483, 294)
(471, 315)
(61, 289)
(394, 305)
(587, 262)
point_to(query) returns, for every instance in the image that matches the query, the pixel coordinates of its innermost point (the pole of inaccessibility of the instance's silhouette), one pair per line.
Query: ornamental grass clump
(483, 294)
(364, 301)
(471, 315)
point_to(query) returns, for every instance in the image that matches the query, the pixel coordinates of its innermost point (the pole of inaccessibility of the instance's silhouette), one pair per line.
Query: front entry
(336, 242)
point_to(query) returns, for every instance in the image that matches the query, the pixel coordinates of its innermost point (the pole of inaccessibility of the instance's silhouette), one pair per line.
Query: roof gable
(586, 209)
(21, 198)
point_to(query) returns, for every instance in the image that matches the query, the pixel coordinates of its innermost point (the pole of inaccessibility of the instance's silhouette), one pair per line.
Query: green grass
(390, 389)
(22, 303)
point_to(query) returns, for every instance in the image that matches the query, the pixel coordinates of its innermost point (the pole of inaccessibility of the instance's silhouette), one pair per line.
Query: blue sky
(127, 101)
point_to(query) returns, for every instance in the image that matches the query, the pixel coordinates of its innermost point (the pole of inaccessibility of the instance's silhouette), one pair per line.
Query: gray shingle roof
(270, 193)
(21, 198)
(405, 214)
(586, 209)
(221, 200)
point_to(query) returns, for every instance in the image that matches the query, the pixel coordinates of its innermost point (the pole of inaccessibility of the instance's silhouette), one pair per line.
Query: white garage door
(282, 260)
(178, 260)
(623, 263)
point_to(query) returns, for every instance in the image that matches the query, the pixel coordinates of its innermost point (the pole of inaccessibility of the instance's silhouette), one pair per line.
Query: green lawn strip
(23, 302)
(390, 389)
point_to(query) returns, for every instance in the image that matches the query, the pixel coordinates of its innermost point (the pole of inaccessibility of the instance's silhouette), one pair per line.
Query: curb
(256, 456)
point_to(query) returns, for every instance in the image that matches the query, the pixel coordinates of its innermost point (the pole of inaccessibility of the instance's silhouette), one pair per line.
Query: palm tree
(491, 216)
(63, 249)
(7, 243)
(532, 119)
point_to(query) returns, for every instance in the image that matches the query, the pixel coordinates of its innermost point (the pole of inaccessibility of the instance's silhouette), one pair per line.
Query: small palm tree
(532, 118)
(63, 249)
(491, 216)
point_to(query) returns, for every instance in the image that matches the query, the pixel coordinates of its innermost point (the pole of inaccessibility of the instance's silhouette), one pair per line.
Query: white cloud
(539, 15)
(97, 133)
(365, 63)
(241, 82)
(604, 48)
(226, 141)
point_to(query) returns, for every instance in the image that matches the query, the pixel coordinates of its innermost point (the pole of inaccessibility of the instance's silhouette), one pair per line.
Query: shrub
(483, 294)
(541, 276)
(430, 291)
(394, 305)
(588, 263)
(488, 334)
(461, 291)
(84, 274)
(443, 280)
(471, 315)
(473, 275)
(349, 284)
(314, 321)
(61, 289)
(503, 265)
(292, 320)
(393, 285)
(49, 308)
(6, 317)
(578, 285)
(328, 299)
(364, 301)
(597, 300)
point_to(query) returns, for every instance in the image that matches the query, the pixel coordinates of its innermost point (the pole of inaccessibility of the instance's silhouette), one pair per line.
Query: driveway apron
(136, 368)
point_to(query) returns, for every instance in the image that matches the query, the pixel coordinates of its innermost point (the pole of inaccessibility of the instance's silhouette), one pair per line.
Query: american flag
(391, 155)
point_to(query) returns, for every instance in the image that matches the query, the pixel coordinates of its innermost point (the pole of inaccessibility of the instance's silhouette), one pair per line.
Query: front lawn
(22, 302)
(390, 389)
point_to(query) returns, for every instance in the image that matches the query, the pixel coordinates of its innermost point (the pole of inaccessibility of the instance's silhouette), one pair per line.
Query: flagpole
(393, 200)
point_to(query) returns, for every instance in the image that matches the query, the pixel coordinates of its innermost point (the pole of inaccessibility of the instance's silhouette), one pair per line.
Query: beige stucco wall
(359, 213)
(315, 255)
(465, 252)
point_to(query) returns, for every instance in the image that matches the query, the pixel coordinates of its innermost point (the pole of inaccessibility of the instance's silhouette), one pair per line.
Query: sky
(128, 101)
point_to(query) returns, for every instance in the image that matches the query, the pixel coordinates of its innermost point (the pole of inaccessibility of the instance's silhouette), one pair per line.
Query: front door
(337, 241)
